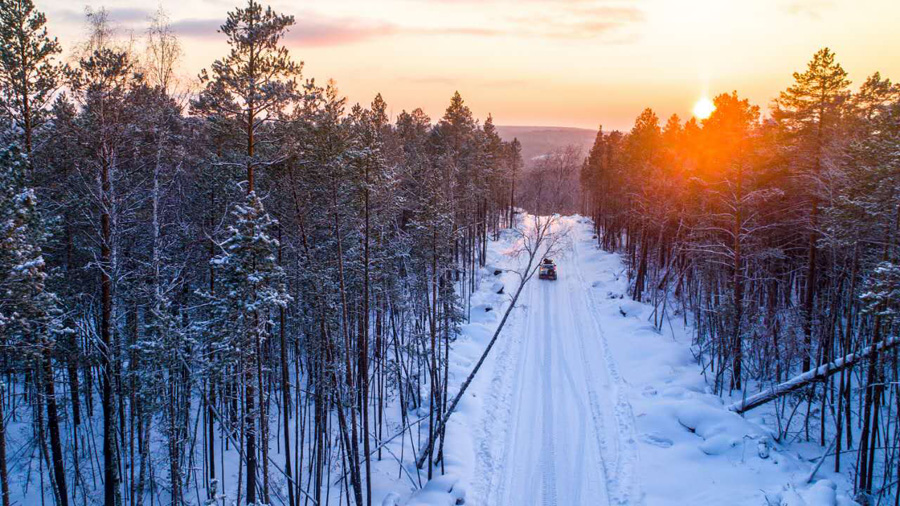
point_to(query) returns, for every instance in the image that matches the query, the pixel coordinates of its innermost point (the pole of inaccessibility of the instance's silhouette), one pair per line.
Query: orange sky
(542, 62)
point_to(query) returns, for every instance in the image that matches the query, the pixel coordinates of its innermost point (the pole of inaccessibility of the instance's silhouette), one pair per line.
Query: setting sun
(703, 108)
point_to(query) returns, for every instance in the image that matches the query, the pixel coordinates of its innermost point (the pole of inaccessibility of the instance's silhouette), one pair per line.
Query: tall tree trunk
(809, 298)
(435, 396)
(56, 452)
(110, 468)
(810, 295)
(285, 390)
(263, 422)
(363, 349)
(353, 443)
(4, 475)
(738, 280)
(173, 437)
(286, 402)
(250, 432)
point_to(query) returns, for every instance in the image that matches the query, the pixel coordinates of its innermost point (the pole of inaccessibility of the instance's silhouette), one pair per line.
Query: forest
(248, 276)
(776, 239)
(257, 264)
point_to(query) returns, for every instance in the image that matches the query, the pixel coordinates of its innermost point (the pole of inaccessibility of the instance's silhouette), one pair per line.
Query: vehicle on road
(547, 270)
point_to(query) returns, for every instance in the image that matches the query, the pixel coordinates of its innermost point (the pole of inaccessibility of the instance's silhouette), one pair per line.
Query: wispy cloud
(575, 19)
(809, 8)
(200, 28)
(469, 80)
(313, 29)
(578, 22)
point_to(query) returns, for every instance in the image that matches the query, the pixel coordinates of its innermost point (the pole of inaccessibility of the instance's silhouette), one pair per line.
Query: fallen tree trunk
(813, 375)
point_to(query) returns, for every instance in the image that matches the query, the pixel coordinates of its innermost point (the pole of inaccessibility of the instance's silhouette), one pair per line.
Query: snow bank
(693, 450)
(441, 491)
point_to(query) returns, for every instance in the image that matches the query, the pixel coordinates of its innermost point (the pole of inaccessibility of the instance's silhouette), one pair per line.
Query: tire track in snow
(596, 413)
(582, 468)
(505, 422)
(525, 468)
(548, 446)
(627, 490)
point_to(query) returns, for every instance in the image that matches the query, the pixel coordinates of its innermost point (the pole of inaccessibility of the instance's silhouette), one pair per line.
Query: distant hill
(538, 140)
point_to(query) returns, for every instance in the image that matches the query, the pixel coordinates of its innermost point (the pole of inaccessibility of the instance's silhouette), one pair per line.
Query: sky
(578, 63)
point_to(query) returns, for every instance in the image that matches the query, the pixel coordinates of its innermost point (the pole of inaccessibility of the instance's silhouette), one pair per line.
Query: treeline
(253, 280)
(778, 239)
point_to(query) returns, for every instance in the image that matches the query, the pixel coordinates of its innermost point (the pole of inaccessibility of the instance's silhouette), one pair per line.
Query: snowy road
(586, 402)
(567, 434)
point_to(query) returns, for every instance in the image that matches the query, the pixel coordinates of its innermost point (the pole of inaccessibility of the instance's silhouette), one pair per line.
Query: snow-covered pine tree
(100, 87)
(514, 165)
(725, 237)
(643, 151)
(863, 213)
(250, 290)
(30, 315)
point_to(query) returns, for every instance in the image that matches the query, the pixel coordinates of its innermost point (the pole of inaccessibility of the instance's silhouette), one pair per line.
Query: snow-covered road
(583, 401)
(569, 430)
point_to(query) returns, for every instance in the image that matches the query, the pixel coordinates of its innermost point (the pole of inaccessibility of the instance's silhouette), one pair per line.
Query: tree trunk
(818, 374)
(4, 475)
(250, 433)
(110, 470)
(286, 401)
(363, 349)
(59, 471)
(738, 280)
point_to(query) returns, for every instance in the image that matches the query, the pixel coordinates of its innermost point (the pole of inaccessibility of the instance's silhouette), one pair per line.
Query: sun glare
(703, 108)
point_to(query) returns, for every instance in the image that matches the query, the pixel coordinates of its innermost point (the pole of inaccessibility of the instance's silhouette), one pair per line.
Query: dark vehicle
(547, 270)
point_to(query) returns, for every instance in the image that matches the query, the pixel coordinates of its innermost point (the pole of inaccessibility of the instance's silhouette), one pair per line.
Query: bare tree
(553, 183)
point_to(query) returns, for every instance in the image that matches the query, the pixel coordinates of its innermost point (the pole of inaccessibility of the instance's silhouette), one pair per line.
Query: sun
(703, 108)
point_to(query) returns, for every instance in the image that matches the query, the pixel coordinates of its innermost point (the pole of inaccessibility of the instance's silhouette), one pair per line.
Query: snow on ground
(582, 401)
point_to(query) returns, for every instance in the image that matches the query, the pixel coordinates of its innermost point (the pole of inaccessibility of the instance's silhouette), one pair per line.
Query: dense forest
(254, 266)
(777, 239)
(238, 290)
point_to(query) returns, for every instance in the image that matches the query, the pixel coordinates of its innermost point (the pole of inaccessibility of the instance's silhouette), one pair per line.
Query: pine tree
(369, 161)
(29, 76)
(256, 81)
(254, 84)
(514, 157)
(251, 288)
(810, 111)
(101, 85)
(643, 151)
